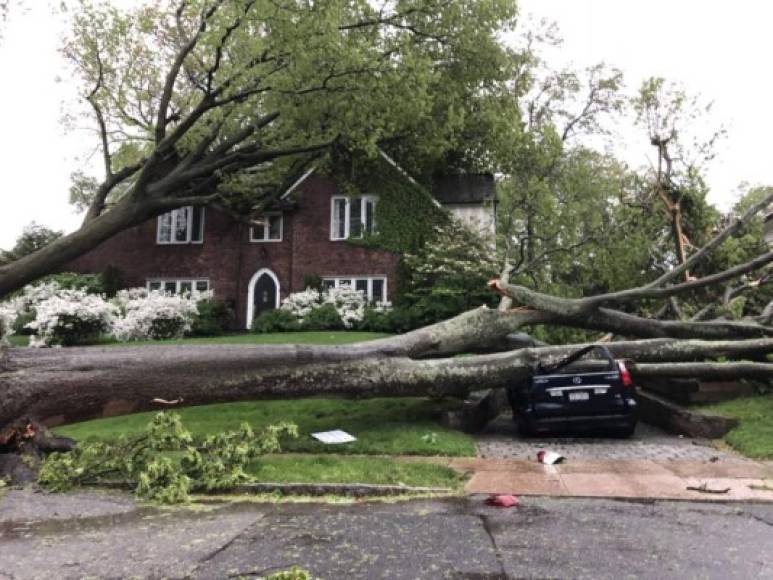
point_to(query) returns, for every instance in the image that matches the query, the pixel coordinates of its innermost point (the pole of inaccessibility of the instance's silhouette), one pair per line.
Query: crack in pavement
(500, 560)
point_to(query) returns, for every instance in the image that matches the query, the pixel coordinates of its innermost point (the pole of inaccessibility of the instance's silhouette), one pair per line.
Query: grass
(404, 426)
(754, 436)
(295, 468)
(18, 340)
(321, 337)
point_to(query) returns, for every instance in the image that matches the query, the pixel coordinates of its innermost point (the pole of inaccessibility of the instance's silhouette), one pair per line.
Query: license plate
(580, 396)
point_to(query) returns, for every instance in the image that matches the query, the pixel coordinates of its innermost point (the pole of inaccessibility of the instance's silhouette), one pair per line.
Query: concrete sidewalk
(630, 479)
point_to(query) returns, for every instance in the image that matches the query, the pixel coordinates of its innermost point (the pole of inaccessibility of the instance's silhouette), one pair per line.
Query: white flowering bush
(348, 302)
(124, 297)
(301, 304)
(71, 317)
(154, 315)
(7, 320)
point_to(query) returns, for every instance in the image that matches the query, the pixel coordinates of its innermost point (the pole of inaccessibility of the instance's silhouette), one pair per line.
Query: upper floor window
(269, 228)
(351, 217)
(184, 225)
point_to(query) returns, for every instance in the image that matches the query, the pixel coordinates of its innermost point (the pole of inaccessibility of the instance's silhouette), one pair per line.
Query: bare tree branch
(171, 77)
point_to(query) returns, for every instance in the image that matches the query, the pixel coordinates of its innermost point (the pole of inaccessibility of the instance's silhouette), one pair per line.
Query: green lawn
(405, 426)
(322, 337)
(754, 436)
(17, 340)
(294, 468)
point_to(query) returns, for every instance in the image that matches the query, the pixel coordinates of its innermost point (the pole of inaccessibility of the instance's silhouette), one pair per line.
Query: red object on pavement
(549, 457)
(503, 500)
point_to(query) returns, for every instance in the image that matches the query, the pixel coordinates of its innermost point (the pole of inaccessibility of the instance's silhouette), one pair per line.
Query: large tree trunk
(65, 385)
(62, 251)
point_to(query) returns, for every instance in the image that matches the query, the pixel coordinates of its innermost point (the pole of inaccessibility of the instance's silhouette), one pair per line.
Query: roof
(464, 188)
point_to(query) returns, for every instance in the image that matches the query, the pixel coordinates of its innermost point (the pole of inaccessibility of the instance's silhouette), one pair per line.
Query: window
(352, 217)
(268, 230)
(184, 225)
(180, 286)
(374, 288)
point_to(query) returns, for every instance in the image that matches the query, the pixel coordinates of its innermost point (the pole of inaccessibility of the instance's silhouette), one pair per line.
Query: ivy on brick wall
(444, 266)
(406, 212)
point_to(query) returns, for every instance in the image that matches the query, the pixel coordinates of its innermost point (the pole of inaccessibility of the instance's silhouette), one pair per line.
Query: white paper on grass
(333, 437)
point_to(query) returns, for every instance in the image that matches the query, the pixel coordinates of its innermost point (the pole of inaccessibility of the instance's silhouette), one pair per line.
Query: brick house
(252, 267)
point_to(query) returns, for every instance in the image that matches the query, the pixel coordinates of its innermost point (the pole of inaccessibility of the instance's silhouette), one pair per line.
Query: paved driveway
(500, 440)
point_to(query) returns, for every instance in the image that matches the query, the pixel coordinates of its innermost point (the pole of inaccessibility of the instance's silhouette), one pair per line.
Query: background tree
(33, 237)
(673, 121)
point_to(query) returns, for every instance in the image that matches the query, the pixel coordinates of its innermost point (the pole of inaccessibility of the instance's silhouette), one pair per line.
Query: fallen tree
(65, 385)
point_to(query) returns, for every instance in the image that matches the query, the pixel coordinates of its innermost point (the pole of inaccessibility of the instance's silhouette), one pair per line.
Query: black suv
(576, 395)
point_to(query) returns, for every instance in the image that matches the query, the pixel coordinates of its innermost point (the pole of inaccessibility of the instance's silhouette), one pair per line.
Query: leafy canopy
(234, 86)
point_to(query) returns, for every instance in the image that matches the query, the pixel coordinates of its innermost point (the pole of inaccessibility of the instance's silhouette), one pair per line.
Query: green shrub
(375, 321)
(165, 327)
(213, 319)
(402, 319)
(275, 321)
(91, 283)
(325, 317)
(19, 325)
(73, 330)
(112, 281)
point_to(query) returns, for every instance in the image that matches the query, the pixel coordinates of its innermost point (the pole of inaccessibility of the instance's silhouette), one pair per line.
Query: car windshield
(594, 358)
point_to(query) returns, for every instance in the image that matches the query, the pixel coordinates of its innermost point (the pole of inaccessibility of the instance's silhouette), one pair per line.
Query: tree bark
(65, 385)
(62, 251)
(707, 371)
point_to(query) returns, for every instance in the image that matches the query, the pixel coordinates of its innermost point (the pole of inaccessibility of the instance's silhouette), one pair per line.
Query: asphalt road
(106, 536)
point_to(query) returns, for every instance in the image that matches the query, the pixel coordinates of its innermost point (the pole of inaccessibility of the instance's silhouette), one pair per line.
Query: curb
(306, 489)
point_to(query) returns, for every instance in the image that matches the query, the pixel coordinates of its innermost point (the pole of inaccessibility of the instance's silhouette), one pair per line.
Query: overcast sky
(721, 50)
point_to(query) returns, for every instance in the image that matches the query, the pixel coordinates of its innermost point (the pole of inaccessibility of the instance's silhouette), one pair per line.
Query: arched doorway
(262, 294)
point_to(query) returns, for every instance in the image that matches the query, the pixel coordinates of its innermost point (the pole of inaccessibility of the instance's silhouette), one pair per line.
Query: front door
(265, 294)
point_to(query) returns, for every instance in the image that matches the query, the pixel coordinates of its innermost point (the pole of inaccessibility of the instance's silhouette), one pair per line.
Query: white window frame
(353, 280)
(347, 215)
(178, 282)
(188, 229)
(266, 229)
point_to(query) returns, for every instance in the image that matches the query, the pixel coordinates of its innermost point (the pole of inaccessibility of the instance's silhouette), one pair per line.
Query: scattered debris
(333, 437)
(704, 488)
(549, 457)
(503, 500)
(165, 402)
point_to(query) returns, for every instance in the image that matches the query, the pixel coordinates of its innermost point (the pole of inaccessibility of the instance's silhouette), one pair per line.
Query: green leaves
(338, 69)
(165, 463)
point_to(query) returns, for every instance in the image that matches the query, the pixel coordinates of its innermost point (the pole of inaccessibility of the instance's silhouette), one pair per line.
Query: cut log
(676, 419)
(695, 391)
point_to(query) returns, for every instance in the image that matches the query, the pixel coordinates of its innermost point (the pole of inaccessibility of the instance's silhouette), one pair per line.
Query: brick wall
(229, 260)
(317, 254)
